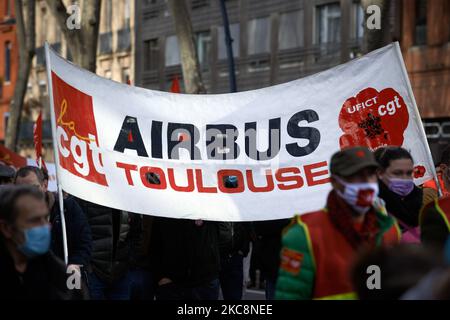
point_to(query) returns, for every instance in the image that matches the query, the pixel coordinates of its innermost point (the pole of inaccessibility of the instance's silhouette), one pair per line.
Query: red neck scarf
(341, 215)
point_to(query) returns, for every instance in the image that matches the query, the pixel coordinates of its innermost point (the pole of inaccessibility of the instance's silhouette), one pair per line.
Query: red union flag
(247, 156)
(76, 132)
(37, 137)
(374, 118)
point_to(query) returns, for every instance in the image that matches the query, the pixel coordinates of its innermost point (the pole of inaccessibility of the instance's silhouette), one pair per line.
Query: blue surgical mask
(37, 241)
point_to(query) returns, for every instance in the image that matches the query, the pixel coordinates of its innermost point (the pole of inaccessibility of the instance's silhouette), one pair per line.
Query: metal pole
(229, 45)
(56, 153)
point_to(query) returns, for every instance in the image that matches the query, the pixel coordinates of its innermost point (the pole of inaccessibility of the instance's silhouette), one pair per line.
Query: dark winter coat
(110, 240)
(45, 278)
(234, 237)
(268, 235)
(185, 251)
(79, 238)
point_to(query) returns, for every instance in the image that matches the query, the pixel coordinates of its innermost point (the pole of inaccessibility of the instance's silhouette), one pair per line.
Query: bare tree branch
(26, 44)
(192, 75)
(82, 42)
(59, 11)
(90, 24)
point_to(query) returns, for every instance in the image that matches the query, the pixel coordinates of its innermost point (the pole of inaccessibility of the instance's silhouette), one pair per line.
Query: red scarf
(341, 215)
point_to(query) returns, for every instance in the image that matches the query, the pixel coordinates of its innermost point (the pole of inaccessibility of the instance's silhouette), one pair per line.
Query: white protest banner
(169, 155)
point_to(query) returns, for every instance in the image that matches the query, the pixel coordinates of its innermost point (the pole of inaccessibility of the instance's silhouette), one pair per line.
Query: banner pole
(55, 151)
(418, 117)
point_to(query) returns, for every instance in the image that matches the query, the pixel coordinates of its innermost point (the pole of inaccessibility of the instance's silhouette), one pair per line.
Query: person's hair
(8, 200)
(385, 155)
(25, 171)
(445, 155)
(401, 268)
(5, 180)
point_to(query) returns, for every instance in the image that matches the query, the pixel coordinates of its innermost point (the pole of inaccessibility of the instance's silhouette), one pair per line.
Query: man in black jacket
(109, 277)
(79, 240)
(234, 245)
(27, 269)
(141, 266)
(186, 258)
(268, 235)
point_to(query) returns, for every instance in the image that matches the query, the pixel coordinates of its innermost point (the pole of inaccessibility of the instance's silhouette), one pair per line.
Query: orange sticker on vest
(291, 261)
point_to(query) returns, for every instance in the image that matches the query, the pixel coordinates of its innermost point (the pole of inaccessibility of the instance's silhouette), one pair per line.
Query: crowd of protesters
(374, 218)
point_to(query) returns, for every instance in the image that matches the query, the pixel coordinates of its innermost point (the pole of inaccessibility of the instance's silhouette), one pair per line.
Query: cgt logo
(374, 119)
(76, 132)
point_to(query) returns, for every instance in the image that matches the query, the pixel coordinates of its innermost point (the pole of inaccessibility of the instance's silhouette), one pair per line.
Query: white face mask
(360, 196)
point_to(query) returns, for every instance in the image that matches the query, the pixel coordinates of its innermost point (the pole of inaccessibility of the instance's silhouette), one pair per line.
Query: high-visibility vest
(334, 255)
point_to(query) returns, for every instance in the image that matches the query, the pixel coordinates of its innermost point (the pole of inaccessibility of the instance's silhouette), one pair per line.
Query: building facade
(115, 60)
(425, 41)
(9, 59)
(273, 41)
(276, 41)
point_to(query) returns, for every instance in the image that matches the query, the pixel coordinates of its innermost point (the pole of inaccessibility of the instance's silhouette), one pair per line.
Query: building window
(328, 23)
(357, 21)
(203, 40)
(7, 61)
(124, 40)
(290, 34)
(105, 43)
(42, 88)
(151, 54)
(221, 45)
(172, 52)
(421, 23)
(40, 56)
(259, 36)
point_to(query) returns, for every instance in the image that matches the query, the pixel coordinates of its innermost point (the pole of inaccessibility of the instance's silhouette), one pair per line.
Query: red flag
(37, 135)
(11, 158)
(175, 87)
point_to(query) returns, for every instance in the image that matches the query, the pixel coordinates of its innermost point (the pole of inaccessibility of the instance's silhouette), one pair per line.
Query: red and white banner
(170, 155)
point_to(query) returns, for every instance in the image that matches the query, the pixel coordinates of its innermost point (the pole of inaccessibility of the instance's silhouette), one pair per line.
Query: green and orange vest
(316, 258)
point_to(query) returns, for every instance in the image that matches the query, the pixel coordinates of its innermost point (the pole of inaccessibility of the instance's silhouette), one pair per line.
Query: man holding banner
(109, 137)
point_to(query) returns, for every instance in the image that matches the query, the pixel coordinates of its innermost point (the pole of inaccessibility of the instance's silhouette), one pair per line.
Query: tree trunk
(376, 38)
(82, 43)
(192, 75)
(90, 24)
(26, 44)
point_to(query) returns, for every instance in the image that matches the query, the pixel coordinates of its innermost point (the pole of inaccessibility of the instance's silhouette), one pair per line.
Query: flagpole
(418, 117)
(55, 151)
